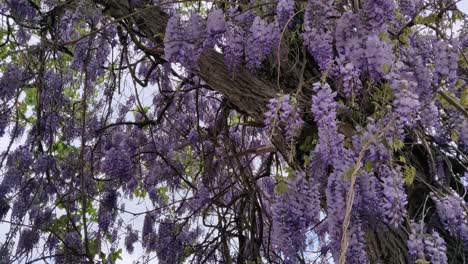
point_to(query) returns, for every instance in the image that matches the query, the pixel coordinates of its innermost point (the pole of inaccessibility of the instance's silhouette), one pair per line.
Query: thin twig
(350, 194)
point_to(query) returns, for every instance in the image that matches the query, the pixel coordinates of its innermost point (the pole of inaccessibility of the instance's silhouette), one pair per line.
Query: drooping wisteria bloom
(446, 62)
(394, 200)
(324, 109)
(11, 80)
(130, 239)
(261, 40)
(425, 246)
(28, 239)
(284, 11)
(451, 210)
(283, 113)
(73, 241)
(378, 12)
(406, 103)
(234, 46)
(293, 213)
(215, 22)
(318, 36)
(377, 57)
(175, 49)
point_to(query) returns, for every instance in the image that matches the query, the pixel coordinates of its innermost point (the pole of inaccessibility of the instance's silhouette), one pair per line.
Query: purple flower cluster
(234, 46)
(319, 43)
(173, 239)
(148, 234)
(453, 215)
(11, 80)
(130, 239)
(324, 109)
(394, 200)
(336, 204)
(406, 103)
(423, 76)
(283, 113)
(117, 165)
(293, 213)
(176, 47)
(18, 164)
(318, 31)
(377, 12)
(185, 41)
(21, 9)
(4, 207)
(215, 22)
(262, 38)
(423, 246)
(378, 56)
(284, 11)
(350, 77)
(73, 241)
(106, 213)
(446, 62)
(28, 239)
(408, 7)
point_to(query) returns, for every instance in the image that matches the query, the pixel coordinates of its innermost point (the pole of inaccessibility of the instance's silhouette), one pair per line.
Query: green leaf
(116, 255)
(397, 145)
(386, 68)
(369, 165)
(348, 173)
(454, 136)
(103, 257)
(139, 192)
(409, 173)
(402, 159)
(31, 97)
(422, 261)
(291, 173)
(281, 187)
(93, 247)
(464, 98)
(162, 191)
(307, 145)
(307, 159)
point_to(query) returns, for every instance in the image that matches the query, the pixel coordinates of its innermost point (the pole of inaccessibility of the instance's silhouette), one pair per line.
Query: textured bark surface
(244, 90)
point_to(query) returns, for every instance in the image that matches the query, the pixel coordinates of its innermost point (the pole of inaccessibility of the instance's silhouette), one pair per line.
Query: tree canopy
(267, 131)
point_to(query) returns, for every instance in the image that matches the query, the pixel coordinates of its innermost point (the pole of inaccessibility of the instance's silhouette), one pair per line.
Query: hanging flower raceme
(406, 103)
(318, 36)
(284, 11)
(452, 211)
(284, 114)
(394, 200)
(294, 212)
(262, 38)
(426, 247)
(446, 63)
(324, 109)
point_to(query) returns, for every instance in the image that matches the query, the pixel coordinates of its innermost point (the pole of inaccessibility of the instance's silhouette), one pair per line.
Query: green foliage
(397, 145)
(281, 187)
(93, 247)
(368, 165)
(410, 174)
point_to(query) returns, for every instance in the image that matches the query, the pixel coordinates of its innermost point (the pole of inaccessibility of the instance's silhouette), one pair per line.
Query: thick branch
(247, 91)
